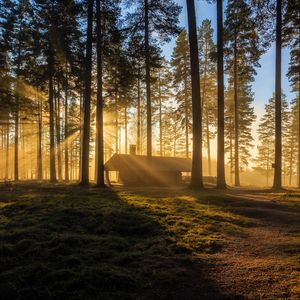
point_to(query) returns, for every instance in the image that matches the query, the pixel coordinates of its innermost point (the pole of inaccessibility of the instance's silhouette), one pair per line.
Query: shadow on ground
(64, 242)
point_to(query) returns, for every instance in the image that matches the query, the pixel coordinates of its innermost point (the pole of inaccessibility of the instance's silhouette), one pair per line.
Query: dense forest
(149, 149)
(83, 80)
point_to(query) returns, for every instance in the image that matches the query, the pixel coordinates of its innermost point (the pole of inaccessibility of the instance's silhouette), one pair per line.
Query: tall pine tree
(266, 136)
(208, 74)
(292, 37)
(182, 84)
(243, 49)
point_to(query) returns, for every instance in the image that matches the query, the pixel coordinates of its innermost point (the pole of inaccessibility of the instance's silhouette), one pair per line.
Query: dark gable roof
(119, 162)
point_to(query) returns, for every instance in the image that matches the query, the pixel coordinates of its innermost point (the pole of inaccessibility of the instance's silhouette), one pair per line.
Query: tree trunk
(116, 123)
(126, 128)
(278, 138)
(206, 115)
(231, 158)
(99, 113)
(71, 161)
(39, 143)
(87, 99)
(16, 158)
(66, 131)
(22, 155)
(221, 183)
(51, 119)
(175, 140)
(291, 162)
(138, 138)
(284, 173)
(148, 84)
(186, 114)
(208, 144)
(7, 151)
(268, 163)
(236, 121)
(3, 135)
(58, 137)
(197, 178)
(160, 118)
(299, 130)
(80, 136)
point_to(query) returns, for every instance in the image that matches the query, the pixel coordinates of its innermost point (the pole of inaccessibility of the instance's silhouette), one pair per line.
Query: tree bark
(208, 144)
(16, 158)
(138, 138)
(116, 123)
(268, 165)
(23, 151)
(39, 143)
(148, 83)
(80, 137)
(299, 130)
(231, 158)
(66, 131)
(291, 162)
(3, 136)
(51, 119)
(126, 128)
(99, 112)
(277, 184)
(221, 183)
(236, 121)
(58, 136)
(87, 99)
(187, 150)
(197, 178)
(175, 140)
(204, 100)
(71, 161)
(160, 118)
(7, 151)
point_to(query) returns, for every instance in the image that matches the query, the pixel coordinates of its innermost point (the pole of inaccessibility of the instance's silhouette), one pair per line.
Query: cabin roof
(119, 162)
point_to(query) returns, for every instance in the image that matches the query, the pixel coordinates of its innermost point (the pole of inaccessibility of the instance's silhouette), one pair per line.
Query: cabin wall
(139, 178)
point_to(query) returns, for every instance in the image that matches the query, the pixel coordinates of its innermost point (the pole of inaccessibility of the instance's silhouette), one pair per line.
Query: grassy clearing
(66, 242)
(291, 199)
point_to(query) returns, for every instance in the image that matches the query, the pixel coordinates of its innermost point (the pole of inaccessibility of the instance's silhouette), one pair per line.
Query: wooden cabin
(140, 170)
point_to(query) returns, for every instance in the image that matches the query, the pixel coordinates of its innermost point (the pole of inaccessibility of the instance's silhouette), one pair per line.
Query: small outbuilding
(140, 170)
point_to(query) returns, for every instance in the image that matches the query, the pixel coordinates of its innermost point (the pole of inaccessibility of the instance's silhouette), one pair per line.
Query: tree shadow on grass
(273, 212)
(72, 243)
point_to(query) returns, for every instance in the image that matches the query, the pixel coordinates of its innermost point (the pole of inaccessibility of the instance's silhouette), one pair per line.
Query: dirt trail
(263, 264)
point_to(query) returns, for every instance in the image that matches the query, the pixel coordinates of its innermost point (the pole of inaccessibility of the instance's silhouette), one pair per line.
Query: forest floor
(63, 241)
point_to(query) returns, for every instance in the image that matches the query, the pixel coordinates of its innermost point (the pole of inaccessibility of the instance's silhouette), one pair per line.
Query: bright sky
(264, 84)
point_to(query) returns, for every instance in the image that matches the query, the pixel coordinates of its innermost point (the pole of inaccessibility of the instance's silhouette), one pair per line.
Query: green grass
(67, 242)
(291, 199)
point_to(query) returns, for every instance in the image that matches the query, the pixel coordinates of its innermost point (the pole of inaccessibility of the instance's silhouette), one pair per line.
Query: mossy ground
(63, 241)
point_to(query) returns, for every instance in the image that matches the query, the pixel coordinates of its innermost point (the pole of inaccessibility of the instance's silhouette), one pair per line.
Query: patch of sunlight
(4, 204)
(222, 215)
(187, 198)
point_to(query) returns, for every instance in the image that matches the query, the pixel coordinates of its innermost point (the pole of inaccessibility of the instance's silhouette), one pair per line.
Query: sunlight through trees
(83, 80)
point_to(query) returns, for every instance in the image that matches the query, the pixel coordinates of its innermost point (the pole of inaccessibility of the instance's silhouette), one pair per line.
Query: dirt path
(264, 264)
